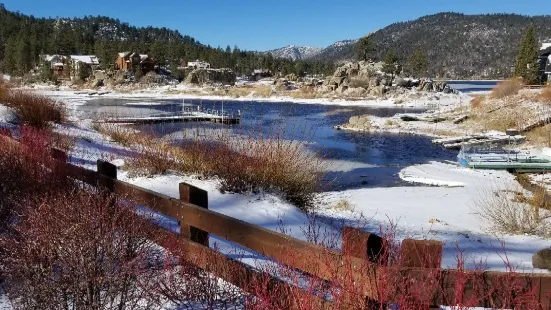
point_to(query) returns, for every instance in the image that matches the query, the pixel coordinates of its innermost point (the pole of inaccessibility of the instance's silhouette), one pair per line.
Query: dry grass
(343, 205)
(305, 92)
(506, 88)
(63, 142)
(32, 109)
(540, 136)
(263, 91)
(545, 94)
(477, 101)
(253, 162)
(511, 212)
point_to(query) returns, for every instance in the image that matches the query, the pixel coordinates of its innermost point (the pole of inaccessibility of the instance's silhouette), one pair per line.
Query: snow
(445, 210)
(6, 77)
(442, 101)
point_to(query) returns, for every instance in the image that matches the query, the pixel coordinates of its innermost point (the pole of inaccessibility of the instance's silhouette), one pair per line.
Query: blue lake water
(360, 159)
(472, 86)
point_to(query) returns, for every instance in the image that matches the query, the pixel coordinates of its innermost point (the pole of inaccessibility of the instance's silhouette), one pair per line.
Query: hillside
(23, 38)
(458, 46)
(295, 52)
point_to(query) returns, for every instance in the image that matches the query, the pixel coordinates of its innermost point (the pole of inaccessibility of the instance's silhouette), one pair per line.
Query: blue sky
(264, 25)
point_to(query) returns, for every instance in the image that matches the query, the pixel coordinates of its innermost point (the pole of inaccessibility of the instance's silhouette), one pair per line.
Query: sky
(264, 25)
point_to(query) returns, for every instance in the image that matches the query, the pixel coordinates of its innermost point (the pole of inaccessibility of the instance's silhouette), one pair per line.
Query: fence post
(59, 155)
(362, 244)
(426, 254)
(198, 197)
(369, 247)
(108, 170)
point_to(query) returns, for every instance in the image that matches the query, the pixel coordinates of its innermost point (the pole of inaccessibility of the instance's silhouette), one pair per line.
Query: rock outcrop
(211, 76)
(360, 79)
(362, 122)
(542, 259)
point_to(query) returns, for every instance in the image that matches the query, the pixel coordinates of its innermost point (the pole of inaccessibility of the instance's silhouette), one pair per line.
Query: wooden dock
(188, 115)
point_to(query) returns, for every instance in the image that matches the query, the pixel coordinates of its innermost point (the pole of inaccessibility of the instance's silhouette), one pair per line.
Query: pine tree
(527, 66)
(10, 62)
(138, 73)
(365, 48)
(392, 64)
(23, 54)
(417, 63)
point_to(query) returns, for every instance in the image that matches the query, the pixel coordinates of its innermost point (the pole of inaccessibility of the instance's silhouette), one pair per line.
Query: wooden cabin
(545, 63)
(128, 61)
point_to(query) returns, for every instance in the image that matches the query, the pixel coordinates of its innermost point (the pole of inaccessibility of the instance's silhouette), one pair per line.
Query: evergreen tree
(138, 73)
(45, 71)
(23, 54)
(527, 66)
(365, 48)
(392, 64)
(417, 63)
(10, 59)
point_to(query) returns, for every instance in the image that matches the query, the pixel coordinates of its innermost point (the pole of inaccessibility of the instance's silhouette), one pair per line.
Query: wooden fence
(361, 264)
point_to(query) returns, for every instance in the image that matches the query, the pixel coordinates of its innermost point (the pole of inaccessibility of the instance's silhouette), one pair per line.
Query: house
(545, 63)
(260, 74)
(56, 62)
(129, 61)
(198, 64)
(79, 62)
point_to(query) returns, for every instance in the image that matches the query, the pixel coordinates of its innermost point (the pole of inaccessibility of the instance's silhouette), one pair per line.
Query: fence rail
(363, 250)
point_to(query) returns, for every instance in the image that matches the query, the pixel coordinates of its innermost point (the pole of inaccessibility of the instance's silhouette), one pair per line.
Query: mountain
(338, 51)
(295, 52)
(458, 46)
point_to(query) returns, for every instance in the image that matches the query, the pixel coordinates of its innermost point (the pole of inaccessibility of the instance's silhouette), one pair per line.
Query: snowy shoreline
(427, 100)
(442, 210)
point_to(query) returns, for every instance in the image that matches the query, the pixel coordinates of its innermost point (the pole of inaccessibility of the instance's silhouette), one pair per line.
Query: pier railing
(361, 270)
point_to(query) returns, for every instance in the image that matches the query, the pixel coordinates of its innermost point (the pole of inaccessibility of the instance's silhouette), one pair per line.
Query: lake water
(358, 159)
(472, 86)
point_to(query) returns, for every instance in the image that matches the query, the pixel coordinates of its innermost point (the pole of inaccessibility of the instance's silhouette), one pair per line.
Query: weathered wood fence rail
(361, 264)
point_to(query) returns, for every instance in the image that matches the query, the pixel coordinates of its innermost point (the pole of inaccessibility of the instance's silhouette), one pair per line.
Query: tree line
(24, 38)
(526, 67)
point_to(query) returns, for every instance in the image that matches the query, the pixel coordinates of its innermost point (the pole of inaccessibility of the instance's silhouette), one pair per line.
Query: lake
(357, 159)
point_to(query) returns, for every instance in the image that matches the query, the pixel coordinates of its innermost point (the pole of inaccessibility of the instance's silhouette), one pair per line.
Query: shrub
(35, 110)
(511, 212)
(26, 169)
(545, 94)
(255, 161)
(506, 88)
(477, 101)
(91, 249)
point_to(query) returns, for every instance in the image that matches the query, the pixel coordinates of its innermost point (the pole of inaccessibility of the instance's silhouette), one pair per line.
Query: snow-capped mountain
(341, 50)
(295, 52)
(307, 52)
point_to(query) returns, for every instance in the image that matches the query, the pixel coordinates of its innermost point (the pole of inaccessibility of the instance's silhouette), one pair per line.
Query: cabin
(128, 61)
(198, 64)
(545, 63)
(56, 62)
(88, 62)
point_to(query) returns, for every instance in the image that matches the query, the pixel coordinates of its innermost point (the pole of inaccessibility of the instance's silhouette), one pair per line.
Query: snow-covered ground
(443, 210)
(441, 100)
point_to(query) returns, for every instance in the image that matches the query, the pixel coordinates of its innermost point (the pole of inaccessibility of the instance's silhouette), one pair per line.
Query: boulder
(291, 77)
(211, 76)
(542, 259)
(403, 82)
(355, 92)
